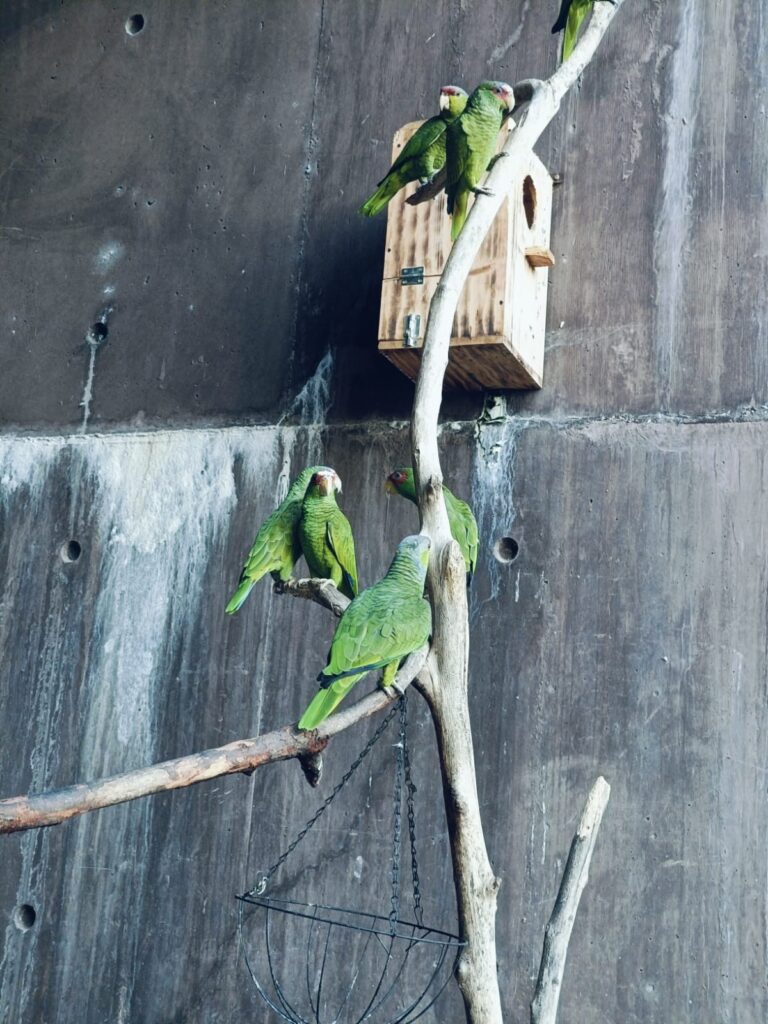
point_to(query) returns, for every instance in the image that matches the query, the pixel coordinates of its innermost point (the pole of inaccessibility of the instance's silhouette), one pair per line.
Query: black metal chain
(263, 880)
(410, 789)
(397, 823)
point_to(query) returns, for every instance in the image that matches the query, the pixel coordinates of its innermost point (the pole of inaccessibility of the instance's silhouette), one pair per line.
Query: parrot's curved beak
(389, 487)
(445, 101)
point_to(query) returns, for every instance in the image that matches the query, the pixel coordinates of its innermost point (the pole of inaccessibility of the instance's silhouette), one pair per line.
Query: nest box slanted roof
(498, 332)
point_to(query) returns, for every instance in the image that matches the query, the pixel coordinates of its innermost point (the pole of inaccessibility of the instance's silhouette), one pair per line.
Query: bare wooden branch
(558, 933)
(429, 190)
(42, 809)
(321, 591)
(474, 880)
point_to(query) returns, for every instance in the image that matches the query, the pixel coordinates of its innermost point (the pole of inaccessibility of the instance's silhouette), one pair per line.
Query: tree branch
(43, 809)
(322, 592)
(474, 879)
(558, 933)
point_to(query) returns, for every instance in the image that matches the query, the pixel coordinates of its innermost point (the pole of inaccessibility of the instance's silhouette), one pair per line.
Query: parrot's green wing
(377, 629)
(421, 157)
(463, 528)
(384, 629)
(341, 542)
(272, 551)
(418, 144)
(276, 548)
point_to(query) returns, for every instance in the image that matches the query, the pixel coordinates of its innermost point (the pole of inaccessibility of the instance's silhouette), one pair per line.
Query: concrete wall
(193, 189)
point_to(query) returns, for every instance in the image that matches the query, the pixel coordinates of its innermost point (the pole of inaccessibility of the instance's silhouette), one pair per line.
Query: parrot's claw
(480, 190)
(498, 156)
(398, 689)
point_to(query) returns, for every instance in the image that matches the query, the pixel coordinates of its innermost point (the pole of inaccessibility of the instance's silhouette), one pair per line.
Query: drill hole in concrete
(134, 24)
(24, 917)
(506, 550)
(97, 332)
(71, 551)
(529, 200)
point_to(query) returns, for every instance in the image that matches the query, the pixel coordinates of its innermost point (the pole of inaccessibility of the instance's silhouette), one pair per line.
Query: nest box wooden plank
(498, 331)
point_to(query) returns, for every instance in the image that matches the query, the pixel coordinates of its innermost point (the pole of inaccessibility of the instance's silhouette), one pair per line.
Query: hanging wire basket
(357, 965)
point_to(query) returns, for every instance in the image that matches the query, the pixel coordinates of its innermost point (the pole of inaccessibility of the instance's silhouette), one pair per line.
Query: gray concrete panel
(255, 130)
(151, 182)
(627, 638)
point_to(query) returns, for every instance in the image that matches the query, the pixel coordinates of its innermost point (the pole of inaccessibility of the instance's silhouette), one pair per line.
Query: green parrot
(423, 155)
(276, 548)
(325, 534)
(460, 517)
(380, 627)
(572, 14)
(471, 144)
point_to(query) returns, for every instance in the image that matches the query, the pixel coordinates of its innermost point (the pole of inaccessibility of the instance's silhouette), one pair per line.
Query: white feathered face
(327, 481)
(449, 92)
(504, 93)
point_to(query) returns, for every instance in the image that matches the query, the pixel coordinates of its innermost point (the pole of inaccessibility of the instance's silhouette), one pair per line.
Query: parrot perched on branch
(570, 19)
(423, 155)
(460, 516)
(470, 143)
(325, 534)
(276, 548)
(380, 627)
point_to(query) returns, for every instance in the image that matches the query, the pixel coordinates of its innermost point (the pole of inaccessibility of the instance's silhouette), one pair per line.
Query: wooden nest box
(498, 332)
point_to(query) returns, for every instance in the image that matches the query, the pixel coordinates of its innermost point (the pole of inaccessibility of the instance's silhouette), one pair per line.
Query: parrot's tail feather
(239, 596)
(376, 203)
(562, 18)
(571, 35)
(351, 583)
(459, 214)
(324, 703)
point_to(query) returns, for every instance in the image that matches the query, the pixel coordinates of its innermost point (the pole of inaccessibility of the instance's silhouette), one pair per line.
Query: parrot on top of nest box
(470, 145)
(380, 627)
(570, 19)
(423, 155)
(461, 519)
(276, 548)
(325, 534)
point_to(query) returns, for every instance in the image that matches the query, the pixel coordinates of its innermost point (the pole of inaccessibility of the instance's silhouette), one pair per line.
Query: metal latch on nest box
(412, 275)
(412, 326)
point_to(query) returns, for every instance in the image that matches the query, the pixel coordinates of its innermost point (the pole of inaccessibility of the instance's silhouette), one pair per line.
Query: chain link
(410, 789)
(264, 879)
(397, 824)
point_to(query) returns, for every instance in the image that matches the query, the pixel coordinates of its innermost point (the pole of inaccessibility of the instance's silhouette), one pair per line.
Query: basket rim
(284, 906)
